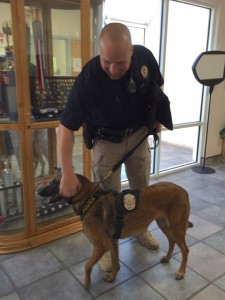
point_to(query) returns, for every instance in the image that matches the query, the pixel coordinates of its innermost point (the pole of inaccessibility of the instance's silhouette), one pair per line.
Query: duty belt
(115, 135)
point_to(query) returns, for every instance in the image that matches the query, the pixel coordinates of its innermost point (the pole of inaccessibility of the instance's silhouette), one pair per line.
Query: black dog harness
(125, 202)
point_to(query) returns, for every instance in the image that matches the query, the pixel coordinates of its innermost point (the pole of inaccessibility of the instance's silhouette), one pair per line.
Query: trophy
(7, 174)
(7, 30)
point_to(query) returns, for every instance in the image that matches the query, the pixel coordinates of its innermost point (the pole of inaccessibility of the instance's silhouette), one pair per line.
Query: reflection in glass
(49, 205)
(66, 41)
(40, 152)
(45, 159)
(8, 99)
(54, 53)
(11, 200)
(7, 30)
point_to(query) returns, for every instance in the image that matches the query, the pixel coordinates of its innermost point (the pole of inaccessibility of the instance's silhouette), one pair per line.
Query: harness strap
(119, 222)
(123, 208)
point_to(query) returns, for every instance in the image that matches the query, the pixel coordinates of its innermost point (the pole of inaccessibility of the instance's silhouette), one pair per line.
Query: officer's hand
(158, 127)
(69, 185)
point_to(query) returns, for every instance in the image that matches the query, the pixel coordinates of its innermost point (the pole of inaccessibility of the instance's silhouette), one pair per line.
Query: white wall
(217, 113)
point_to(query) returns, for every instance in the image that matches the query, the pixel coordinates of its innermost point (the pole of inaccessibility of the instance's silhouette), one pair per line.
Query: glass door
(187, 36)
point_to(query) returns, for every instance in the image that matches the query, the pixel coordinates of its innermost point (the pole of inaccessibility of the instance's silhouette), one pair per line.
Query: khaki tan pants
(106, 154)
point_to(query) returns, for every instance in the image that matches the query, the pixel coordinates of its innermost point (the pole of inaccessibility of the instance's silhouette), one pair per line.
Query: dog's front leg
(96, 255)
(114, 250)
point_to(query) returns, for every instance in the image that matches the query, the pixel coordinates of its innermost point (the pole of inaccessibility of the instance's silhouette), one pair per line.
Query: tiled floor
(55, 270)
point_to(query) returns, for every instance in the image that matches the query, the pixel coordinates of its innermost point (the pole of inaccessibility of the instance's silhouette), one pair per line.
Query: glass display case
(43, 46)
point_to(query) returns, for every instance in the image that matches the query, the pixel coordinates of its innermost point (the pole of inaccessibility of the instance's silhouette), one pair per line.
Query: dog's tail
(190, 225)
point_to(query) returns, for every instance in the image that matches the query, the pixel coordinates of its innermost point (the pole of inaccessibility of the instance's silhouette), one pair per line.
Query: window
(185, 41)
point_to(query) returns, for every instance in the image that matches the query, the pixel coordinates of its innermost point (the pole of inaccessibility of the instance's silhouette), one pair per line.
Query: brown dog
(165, 202)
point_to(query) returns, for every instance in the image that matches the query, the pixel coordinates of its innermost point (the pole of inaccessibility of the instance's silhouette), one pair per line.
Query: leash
(119, 163)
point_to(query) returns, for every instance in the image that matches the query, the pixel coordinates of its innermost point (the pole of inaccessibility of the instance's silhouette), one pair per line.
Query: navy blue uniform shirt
(102, 102)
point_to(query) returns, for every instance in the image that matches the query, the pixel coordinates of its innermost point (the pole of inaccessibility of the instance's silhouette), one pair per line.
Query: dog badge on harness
(129, 201)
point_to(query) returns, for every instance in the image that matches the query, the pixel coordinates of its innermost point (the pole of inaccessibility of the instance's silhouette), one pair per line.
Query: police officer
(109, 97)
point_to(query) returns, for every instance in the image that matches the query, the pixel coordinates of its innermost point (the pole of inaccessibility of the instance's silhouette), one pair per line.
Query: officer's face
(115, 58)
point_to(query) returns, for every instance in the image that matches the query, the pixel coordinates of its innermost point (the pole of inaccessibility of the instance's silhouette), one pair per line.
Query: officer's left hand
(158, 127)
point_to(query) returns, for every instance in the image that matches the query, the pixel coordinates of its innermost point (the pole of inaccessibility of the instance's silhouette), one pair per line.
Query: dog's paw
(108, 277)
(164, 259)
(87, 279)
(179, 275)
(87, 283)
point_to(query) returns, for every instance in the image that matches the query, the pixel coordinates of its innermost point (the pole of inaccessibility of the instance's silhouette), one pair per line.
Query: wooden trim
(24, 112)
(42, 125)
(85, 56)
(65, 220)
(47, 32)
(5, 126)
(24, 243)
(85, 31)
(57, 4)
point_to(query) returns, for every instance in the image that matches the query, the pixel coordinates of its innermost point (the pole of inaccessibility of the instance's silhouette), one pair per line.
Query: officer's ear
(132, 49)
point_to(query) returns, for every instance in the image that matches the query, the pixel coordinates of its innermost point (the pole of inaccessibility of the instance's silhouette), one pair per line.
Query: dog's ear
(82, 179)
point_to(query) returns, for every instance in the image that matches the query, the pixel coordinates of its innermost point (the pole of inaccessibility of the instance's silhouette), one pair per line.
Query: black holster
(88, 135)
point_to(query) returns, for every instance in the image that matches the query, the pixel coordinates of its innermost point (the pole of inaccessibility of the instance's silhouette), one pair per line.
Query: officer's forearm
(65, 149)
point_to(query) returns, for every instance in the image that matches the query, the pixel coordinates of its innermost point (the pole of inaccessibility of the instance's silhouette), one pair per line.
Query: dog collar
(90, 201)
